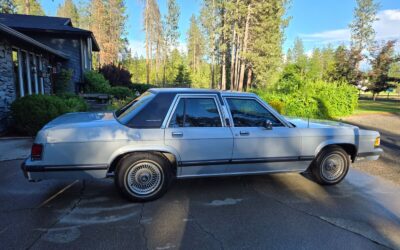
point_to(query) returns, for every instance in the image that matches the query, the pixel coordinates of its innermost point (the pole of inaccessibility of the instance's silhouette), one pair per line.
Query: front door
(258, 149)
(196, 130)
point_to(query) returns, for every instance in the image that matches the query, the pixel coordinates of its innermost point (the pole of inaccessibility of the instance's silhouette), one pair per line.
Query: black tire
(331, 165)
(137, 171)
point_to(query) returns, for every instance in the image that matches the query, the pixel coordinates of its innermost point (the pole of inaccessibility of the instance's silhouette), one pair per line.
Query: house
(33, 49)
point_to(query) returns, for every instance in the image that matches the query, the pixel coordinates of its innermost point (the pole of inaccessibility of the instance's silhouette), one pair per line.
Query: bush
(116, 75)
(312, 99)
(141, 87)
(62, 81)
(31, 113)
(95, 82)
(120, 92)
(74, 103)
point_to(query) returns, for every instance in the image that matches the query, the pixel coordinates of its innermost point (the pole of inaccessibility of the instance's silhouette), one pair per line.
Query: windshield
(125, 113)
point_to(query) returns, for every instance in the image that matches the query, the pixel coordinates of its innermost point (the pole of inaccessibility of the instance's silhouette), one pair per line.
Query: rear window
(146, 111)
(132, 108)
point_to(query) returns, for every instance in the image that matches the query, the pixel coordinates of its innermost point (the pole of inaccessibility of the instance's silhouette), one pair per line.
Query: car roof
(200, 91)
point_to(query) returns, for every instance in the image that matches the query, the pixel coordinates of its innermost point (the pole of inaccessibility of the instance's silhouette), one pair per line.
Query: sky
(317, 22)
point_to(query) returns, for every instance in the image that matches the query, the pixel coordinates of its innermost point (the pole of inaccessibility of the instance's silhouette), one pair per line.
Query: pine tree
(29, 7)
(7, 6)
(69, 10)
(195, 45)
(362, 31)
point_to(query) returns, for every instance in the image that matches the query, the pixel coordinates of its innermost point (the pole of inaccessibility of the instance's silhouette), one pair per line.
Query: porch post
(35, 74)
(28, 73)
(21, 80)
(41, 77)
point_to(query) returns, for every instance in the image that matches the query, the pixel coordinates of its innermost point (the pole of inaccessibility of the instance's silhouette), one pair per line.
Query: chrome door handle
(244, 133)
(177, 134)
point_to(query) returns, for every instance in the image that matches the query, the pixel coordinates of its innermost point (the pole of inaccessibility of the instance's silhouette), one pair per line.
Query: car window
(250, 113)
(196, 112)
(125, 113)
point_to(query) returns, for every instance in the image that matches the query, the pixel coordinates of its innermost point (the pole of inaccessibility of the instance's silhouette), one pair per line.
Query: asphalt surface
(281, 211)
(388, 125)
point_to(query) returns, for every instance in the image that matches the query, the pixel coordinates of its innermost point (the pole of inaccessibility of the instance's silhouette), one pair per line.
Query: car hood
(315, 123)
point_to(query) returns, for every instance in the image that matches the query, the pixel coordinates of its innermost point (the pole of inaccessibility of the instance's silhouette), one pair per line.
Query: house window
(39, 67)
(16, 68)
(24, 68)
(33, 73)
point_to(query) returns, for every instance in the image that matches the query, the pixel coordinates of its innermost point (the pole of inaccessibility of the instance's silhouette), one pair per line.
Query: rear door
(197, 130)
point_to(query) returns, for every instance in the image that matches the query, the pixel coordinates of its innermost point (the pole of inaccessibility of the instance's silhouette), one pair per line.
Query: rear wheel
(331, 166)
(143, 176)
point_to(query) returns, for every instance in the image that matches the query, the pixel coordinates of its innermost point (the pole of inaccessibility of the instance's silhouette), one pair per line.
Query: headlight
(377, 141)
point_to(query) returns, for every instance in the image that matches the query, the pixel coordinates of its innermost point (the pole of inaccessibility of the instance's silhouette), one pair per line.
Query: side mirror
(268, 124)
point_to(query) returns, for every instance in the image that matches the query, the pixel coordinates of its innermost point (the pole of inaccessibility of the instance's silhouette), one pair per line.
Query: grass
(371, 107)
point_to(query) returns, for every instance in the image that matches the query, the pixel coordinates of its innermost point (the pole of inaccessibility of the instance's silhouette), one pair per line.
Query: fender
(141, 148)
(333, 142)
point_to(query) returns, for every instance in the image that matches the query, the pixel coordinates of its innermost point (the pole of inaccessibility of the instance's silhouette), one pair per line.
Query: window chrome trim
(262, 103)
(178, 97)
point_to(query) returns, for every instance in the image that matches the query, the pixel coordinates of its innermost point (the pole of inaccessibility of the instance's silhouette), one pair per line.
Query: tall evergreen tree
(362, 31)
(69, 10)
(29, 7)
(195, 44)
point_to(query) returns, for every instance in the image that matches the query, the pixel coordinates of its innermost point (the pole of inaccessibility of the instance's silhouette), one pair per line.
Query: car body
(198, 132)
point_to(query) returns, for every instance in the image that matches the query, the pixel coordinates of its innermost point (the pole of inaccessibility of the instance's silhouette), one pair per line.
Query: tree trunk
(237, 63)
(147, 42)
(27, 7)
(233, 52)
(249, 75)
(245, 40)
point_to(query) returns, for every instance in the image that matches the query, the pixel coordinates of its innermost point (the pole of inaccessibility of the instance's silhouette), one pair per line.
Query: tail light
(36, 152)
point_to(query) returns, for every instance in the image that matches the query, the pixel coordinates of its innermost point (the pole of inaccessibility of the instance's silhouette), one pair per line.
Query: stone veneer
(7, 87)
(7, 83)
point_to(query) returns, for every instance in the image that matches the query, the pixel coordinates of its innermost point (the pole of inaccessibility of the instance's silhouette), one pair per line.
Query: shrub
(31, 113)
(116, 75)
(141, 87)
(312, 99)
(95, 82)
(62, 81)
(74, 103)
(120, 92)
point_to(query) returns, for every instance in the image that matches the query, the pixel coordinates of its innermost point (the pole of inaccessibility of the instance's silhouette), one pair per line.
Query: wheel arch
(168, 154)
(350, 148)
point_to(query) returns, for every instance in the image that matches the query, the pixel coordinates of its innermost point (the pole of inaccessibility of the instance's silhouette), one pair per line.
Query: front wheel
(331, 166)
(143, 176)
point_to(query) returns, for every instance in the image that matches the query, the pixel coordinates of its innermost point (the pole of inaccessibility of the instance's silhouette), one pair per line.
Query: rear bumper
(369, 156)
(43, 172)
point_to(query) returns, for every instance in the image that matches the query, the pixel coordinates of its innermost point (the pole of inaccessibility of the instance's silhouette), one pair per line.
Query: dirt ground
(388, 165)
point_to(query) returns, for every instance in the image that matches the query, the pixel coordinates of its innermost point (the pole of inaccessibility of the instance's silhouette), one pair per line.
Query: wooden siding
(69, 45)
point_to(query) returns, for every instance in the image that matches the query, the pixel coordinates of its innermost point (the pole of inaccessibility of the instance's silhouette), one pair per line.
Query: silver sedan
(183, 133)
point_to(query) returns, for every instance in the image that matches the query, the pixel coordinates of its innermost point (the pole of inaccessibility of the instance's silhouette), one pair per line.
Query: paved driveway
(283, 211)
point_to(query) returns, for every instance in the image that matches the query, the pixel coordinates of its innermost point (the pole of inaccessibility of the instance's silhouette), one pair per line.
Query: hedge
(313, 100)
(31, 113)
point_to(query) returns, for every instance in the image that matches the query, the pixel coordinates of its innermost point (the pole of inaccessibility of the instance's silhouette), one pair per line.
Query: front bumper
(369, 156)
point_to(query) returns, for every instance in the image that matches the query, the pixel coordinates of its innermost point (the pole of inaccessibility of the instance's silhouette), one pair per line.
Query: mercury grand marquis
(183, 133)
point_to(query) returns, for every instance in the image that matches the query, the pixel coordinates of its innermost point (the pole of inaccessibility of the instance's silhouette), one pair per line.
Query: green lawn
(369, 106)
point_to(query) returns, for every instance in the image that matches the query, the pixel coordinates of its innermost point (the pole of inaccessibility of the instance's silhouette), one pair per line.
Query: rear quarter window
(153, 112)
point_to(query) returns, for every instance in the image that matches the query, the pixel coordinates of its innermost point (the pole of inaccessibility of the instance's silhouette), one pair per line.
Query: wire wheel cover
(333, 166)
(144, 177)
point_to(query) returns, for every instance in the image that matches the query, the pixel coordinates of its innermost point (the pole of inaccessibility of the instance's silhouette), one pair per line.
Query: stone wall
(7, 88)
